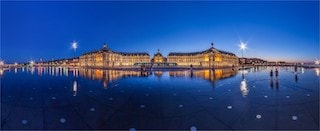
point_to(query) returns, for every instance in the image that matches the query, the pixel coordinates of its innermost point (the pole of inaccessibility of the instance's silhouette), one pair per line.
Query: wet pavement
(224, 99)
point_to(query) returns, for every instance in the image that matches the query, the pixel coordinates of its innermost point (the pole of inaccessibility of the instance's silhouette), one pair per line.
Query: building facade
(252, 61)
(210, 58)
(158, 58)
(106, 58)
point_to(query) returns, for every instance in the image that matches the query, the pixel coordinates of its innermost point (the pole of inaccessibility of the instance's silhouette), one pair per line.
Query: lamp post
(243, 47)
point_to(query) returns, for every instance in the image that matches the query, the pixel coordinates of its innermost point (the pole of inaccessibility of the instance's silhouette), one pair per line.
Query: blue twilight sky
(273, 30)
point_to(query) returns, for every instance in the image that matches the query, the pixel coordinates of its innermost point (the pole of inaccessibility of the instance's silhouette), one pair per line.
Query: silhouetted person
(277, 72)
(271, 73)
(295, 68)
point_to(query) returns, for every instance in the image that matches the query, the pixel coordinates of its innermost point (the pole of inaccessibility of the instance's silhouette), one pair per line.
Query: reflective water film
(221, 99)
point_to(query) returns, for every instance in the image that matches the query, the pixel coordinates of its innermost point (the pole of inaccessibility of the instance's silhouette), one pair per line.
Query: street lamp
(74, 46)
(243, 46)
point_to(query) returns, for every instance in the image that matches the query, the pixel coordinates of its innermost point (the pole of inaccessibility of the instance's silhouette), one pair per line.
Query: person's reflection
(105, 84)
(191, 73)
(242, 75)
(277, 84)
(271, 83)
(271, 79)
(75, 88)
(296, 73)
(296, 76)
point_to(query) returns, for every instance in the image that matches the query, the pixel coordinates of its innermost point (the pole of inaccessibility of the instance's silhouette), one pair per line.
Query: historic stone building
(107, 58)
(210, 58)
(158, 58)
(160, 61)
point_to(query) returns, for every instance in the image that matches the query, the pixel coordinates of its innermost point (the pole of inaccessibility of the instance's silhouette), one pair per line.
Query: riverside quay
(107, 58)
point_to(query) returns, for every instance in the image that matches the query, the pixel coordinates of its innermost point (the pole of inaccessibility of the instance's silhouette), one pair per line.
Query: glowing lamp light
(243, 46)
(75, 88)
(317, 62)
(244, 88)
(317, 71)
(74, 45)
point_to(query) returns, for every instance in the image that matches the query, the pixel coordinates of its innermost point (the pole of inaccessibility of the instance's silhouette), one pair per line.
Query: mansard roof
(212, 49)
(158, 53)
(105, 49)
(133, 53)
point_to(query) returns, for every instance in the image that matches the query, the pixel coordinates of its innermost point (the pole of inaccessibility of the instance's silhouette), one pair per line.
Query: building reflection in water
(75, 72)
(317, 70)
(256, 69)
(32, 70)
(158, 73)
(55, 71)
(1, 72)
(211, 75)
(105, 76)
(75, 88)
(108, 76)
